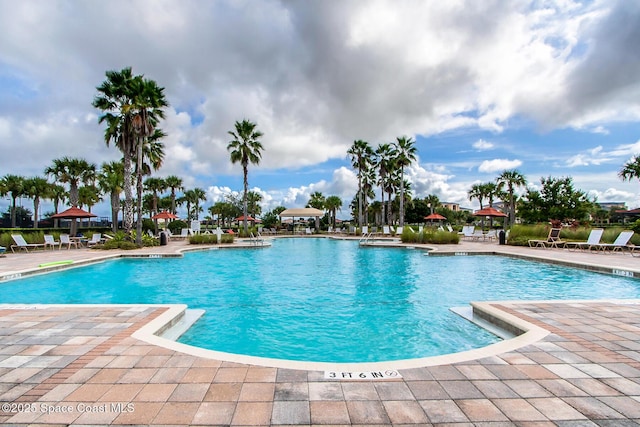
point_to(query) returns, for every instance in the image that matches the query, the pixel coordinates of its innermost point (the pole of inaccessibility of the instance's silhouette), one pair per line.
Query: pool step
(467, 313)
(176, 330)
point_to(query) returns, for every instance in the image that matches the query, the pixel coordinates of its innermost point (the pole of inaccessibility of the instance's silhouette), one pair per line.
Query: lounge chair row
(592, 243)
(469, 232)
(49, 241)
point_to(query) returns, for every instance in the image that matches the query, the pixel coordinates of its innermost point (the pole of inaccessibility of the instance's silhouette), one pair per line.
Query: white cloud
(482, 145)
(598, 155)
(498, 165)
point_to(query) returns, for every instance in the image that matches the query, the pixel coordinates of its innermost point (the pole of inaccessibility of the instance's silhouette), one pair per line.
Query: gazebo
(303, 213)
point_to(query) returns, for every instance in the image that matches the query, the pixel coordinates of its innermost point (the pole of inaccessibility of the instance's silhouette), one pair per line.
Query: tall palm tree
(155, 186)
(111, 181)
(333, 204)
(405, 154)
(193, 198)
(174, 183)
(384, 163)
(36, 188)
(245, 148)
(14, 186)
(132, 107)
(361, 155)
(512, 179)
(72, 171)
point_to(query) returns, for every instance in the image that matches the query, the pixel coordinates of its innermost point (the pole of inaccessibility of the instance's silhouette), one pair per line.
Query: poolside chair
(97, 239)
(365, 230)
(467, 231)
(66, 240)
(307, 231)
(398, 231)
(50, 241)
(621, 243)
(592, 241)
(477, 234)
(552, 241)
(449, 228)
(386, 230)
(491, 234)
(20, 243)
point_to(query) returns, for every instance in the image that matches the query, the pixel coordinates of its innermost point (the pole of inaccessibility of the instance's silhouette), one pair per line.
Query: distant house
(455, 207)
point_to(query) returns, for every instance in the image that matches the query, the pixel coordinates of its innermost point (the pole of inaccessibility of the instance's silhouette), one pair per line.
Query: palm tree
(405, 154)
(253, 203)
(333, 204)
(361, 159)
(111, 181)
(13, 185)
(193, 198)
(245, 148)
(511, 179)
(631, 169)
(72, 171)
(36, 188)
(477, 192)
(384, 163)
(175, 184)
(58, 195)
(132, 107)
(316, 200)
(433, 201)
(155, 186)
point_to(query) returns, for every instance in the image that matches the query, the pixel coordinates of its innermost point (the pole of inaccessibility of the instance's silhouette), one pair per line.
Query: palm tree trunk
(244, 202)
(115, 207)
(401, 196)
(36, 205)
(139, 194)
(127, 219)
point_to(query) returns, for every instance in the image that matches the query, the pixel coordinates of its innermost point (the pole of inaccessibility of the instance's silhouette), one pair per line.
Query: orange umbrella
(434, 217)
(249, 218)
(489, 212)
(74, 212)
(164, 215)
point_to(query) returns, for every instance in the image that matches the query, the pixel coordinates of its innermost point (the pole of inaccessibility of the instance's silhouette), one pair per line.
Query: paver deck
(79, 365)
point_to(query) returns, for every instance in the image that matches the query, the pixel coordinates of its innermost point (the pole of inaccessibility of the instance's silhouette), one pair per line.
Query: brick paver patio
(79, 365)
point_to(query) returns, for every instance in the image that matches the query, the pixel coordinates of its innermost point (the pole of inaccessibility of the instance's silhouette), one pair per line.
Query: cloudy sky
(551, 88)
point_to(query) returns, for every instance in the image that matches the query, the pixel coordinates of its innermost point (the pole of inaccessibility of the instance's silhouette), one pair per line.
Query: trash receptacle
(163, 239)
(502, 237)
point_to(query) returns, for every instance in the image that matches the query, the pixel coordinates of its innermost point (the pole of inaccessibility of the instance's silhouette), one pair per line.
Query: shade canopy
(302, 212)
(434, 217)
(74, 212)
(489, 212)
(164, 215)
(249, 218)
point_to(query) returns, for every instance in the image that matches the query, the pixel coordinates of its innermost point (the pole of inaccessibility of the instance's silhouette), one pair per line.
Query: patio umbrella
(241, 218)
(489, 212)
(435, 217)
(73, 213)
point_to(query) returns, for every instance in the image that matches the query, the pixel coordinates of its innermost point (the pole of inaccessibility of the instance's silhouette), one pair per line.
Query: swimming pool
(322, 299)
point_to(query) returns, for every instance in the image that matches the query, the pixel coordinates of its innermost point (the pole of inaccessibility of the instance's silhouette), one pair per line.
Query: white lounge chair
(66, 240)
(592, 241)
(449, 228)
(50, 241)
(386, 230)
(491, 234)
(307, 231)
(365, 230)
(552, 241)
(467, 231)
(20, 243)
(621, 242)
(399, 231)
(95, 239)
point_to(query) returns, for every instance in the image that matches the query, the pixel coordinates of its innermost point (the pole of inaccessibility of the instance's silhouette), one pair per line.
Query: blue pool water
(322, 299)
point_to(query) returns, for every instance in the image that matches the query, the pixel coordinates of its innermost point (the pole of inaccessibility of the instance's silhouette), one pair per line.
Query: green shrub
(177, 226)
(433, 236)
(117, 244)
(210, 239)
